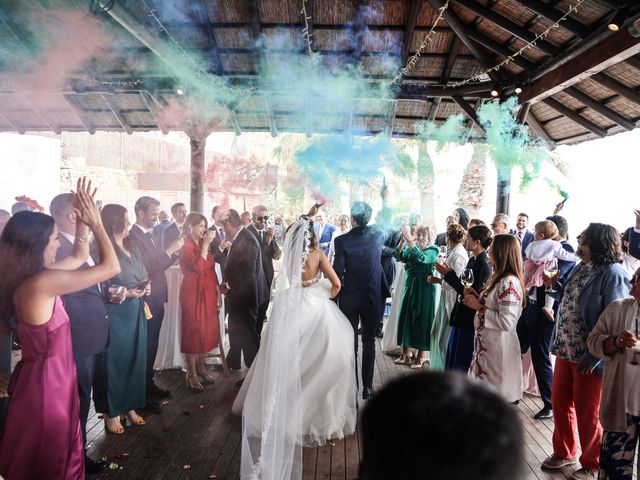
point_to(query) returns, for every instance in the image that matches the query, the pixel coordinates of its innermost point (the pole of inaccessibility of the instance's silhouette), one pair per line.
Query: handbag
(147, 311)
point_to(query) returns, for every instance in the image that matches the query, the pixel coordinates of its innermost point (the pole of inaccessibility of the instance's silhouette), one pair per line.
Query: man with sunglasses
(264, 233)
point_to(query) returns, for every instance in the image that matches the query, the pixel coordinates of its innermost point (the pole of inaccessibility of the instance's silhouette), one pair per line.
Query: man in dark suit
(269, 249)
(174, 230)
(219, 248)
(245, 288)
(87, 317)
(521, 232)
(392, 238)
(364, 288)
(324, 231)
(156, 261)
(163, 222)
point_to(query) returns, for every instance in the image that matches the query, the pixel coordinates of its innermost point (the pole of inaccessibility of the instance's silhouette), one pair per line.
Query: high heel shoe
(193, 383)
(134, 418)
(207, 378)
(113, 425)
(419, 363)
(403, 359)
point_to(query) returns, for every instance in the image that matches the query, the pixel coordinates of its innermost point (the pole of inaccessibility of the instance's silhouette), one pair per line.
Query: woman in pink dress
(42, 436)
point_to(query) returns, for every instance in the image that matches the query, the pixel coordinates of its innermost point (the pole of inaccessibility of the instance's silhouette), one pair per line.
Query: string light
(510, 58)
(116, 83)
(414, 59)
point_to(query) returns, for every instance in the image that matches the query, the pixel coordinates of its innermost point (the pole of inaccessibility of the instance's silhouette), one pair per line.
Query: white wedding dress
(301, 389)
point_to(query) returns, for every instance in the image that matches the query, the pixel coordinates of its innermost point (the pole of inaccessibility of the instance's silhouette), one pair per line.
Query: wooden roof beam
(500, 49)
(410, 29)
(359, 25)
(617, 87)
(600, 108)
(454, 49)
(391, 117)
(309, 22)
(212, 45)
(469, 110)
(460, 30)
(539, 130)
(256, 28)
(553, 15)
(573, 67)
(467, 121)
(481, 90)
(236, 123)
(117, 113)
(433, 111)
(575, 117)
(79, 113)
(151, 104)
(509, 26)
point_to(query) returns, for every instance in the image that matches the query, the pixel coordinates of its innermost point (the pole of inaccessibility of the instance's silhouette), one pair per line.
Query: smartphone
(142, 285)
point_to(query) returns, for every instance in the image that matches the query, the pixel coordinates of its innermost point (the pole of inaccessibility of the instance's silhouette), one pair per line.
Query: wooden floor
(197, 437)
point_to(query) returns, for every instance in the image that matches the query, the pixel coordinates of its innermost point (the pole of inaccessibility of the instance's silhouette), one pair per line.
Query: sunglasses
(263, 219)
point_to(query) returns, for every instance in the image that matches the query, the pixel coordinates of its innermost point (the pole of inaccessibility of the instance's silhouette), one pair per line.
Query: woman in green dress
(125, 356)
(417, 309)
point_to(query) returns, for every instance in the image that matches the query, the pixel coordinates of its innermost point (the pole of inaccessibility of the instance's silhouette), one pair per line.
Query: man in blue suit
(521, 232)
(324, 231)
(173, 231)
(364, 288)
(87, 318)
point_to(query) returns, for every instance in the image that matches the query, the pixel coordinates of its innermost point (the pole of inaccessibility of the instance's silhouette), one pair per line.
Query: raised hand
(208, 237)
(443, 268)
(84, 203)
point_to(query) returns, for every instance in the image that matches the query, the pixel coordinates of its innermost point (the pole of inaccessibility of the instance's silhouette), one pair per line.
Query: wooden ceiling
(578, 83)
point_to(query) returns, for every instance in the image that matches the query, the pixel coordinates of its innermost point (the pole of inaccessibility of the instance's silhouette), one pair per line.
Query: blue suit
(526, 240)
(89, 335)
(364, 288)
(327, 233)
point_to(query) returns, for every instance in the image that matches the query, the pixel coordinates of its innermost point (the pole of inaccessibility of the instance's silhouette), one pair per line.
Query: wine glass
(442, 251)
(550, 269)
(466, 278)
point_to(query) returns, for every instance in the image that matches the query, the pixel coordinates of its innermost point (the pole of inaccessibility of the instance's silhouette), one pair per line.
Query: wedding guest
(418, 301)
(220, 245)
(42, 436)
(163, 222)
(20, 207)
(270, 251)
(460, 349)
(441, 238)
(461, 217)
(173, 231)
(200, 300)
(457, 259)
(535, 330)
(87, 316)
(500, 224)
(124, 366)
(245, 218)
(343, 227)
(522, 234)
(324, 231)
(629, 263)
(155, 261)
(585, 291)
(470, 431)
(392, 238)
(496, 358)
(245, 289)
(614, 339)
(4, 218)
(474, 222)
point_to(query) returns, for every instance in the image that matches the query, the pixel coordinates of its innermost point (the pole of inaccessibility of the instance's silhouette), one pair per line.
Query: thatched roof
(580, 82)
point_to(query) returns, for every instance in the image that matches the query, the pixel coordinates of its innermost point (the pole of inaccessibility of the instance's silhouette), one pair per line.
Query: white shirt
(632, 372)
(144, 229)
(543, 250)
(630, 264)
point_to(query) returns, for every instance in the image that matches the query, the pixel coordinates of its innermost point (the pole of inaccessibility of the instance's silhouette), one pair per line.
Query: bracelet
(82, 239)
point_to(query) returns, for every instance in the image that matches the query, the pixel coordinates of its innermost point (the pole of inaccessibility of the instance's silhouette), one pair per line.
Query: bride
(301, 390)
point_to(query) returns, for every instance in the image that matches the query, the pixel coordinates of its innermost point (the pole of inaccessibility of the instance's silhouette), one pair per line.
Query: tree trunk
(474, 179)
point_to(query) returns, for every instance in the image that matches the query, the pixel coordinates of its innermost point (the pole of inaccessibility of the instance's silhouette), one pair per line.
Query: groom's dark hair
(457, 427)
(361, 213)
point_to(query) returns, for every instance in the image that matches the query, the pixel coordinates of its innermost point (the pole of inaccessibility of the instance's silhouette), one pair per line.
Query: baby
(542, 250)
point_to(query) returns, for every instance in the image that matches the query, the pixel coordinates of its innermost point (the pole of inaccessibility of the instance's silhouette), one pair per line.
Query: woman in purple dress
(42, 436)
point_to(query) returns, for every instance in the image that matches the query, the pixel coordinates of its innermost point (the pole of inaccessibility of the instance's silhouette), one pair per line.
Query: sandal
(134, 418)
(207, 378)
(419, 363)
(193, 383)
(403, 359)
(113, 425)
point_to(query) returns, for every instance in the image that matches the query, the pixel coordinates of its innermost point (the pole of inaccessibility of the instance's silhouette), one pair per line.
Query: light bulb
(179, 91)
(494, 93)
(518, 90)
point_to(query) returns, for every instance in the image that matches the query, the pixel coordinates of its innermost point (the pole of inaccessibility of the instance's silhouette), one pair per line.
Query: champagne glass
(550, 269)
(467, 279)
(442, 251)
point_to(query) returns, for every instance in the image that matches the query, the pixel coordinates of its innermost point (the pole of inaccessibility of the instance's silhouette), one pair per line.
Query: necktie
(221, 231)
(520, 235)
(150, 236)
(262, 235)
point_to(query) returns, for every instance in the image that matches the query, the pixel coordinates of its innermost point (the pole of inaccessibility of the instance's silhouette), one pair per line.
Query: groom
(364, 288)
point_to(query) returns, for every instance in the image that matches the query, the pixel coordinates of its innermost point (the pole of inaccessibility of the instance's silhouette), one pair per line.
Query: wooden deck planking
(197, 437)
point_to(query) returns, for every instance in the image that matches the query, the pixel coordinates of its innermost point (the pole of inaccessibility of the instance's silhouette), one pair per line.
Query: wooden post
(504, 189)
(198, 143)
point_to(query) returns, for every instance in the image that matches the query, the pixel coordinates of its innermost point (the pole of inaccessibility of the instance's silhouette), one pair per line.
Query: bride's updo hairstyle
(313, 240)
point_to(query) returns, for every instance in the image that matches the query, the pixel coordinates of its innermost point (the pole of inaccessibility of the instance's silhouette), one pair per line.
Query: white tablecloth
(169, 355)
